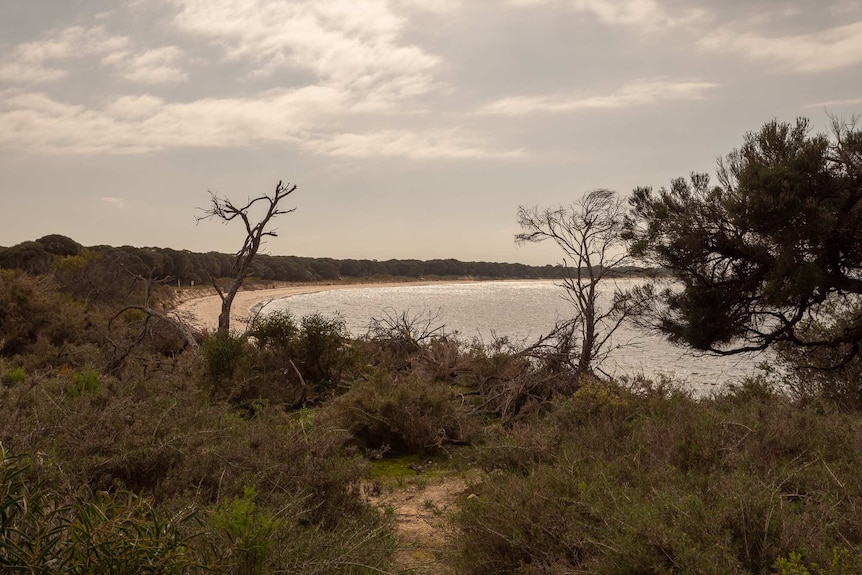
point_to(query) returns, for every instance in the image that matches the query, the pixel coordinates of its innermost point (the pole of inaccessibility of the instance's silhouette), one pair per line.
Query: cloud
(305, 118)
(836, 103)
(38, 62)
(406, 144)
(114, 202)
(431, 6)
(145, 123)
(821, 51)
(637, 93)
(12, 71)
(46, 60)
(158, 66)
(647, 15)
(740, 30)
(353, 45)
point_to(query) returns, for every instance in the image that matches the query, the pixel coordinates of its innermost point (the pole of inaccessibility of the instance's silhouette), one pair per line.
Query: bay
(521, 311)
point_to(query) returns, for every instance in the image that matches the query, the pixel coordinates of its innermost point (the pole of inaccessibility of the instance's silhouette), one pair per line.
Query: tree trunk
(224, 316)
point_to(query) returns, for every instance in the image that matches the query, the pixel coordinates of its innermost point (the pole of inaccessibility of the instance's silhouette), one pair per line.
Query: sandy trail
(202, 312)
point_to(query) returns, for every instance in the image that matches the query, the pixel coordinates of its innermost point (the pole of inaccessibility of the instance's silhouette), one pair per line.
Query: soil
(420, 505)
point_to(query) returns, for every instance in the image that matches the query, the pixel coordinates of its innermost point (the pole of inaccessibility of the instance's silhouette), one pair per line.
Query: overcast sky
(413, 128)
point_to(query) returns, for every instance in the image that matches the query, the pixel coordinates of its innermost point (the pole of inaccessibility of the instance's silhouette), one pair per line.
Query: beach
(202, 312)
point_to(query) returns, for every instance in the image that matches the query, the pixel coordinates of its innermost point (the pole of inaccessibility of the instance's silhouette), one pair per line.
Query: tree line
(53, 252)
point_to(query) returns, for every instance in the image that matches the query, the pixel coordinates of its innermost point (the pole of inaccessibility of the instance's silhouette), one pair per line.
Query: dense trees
(186, 267)
(772, 249)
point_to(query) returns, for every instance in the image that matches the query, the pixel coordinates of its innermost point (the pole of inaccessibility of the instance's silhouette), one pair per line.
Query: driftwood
(175, 321)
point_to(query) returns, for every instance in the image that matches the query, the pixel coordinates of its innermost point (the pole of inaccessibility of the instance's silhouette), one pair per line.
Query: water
(521, 311)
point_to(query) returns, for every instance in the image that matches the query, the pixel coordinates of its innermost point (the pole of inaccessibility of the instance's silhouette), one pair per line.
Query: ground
(420, 493)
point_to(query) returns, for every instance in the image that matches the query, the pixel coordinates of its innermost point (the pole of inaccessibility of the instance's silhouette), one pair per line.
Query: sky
(412, 128)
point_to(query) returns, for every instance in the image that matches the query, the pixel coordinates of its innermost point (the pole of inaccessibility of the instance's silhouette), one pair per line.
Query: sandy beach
(202, 312)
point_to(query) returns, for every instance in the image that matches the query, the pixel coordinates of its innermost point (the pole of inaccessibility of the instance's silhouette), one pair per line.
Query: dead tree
(123, 350)
(226, 211)
(588, 232)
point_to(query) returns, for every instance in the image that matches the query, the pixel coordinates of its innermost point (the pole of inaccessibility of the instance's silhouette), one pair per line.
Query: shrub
(406, 333)
(223, 352)
(44, 533)
(32, 312)
(616, 481)
(321, 347)
(83, 382)
(274, 330)
(405, 414)
(14, 376)
(248, 532)
(844, 562)
(510, 385)
(32, 524)
(287, 365)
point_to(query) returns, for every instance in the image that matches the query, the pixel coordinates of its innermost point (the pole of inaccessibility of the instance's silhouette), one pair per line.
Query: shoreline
(202, 312)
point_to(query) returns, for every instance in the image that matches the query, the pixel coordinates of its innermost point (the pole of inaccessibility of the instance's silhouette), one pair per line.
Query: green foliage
(42, 533)
(843, 562)
(59, 245)
(223, 352)
(164, 437)
(321, 345)
(779, 239)
(83, 382)
(273, 330)
(617, 481)
(278, 361)
(40, 256)
(14, 376)
(249, 531)
(33, 316)
(402, 414)
(32, 527)
(122, 534)
(602, 478)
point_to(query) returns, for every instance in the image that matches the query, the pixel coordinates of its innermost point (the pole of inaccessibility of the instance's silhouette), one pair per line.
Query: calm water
(521, 310)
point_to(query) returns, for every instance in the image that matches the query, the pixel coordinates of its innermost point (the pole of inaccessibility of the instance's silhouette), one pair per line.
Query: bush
(83, 382)
(510, 384)
(619, 481)
(170, 442)
(844, 562)
(286, 364)
(248, 532)
(321, 347)
(41, 532)
(403, 414)
(223, 352)
(274, 330)
(14, 376)
(33, 316)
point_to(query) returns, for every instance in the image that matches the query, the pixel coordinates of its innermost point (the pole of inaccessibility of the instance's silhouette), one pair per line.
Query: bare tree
(123, 350)
(226, 211)
(588, 232)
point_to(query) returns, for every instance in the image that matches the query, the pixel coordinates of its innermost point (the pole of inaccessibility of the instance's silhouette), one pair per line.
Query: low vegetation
(256, 455)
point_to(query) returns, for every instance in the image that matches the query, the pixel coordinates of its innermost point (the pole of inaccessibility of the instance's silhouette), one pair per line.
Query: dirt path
(420, 505)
